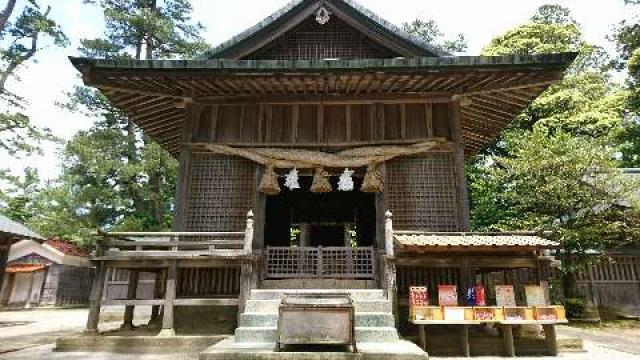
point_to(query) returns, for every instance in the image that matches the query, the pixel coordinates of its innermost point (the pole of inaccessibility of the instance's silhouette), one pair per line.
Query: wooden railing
(319, 262)
(175, 244)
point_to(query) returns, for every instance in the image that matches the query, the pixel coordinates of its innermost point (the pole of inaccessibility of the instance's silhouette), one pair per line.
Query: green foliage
(575, 307)
(164, 28)
(554, 169)
(19, 194)
(114, 176)
(21, 39)
(627, 38)
(429, 31)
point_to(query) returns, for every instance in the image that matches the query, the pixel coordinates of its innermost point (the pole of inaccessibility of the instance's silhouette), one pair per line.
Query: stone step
(356, 294)
(372, 319)
(269, 334)
(362, 306)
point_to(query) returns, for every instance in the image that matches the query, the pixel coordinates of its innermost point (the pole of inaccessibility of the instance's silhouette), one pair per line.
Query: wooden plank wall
(300, 124)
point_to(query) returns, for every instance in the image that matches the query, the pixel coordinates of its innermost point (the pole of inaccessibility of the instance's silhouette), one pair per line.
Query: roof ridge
(15, 228)
(269, 20)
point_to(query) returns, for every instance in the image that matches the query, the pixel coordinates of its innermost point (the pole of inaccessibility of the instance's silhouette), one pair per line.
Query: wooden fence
(320, 262)
(612, 287)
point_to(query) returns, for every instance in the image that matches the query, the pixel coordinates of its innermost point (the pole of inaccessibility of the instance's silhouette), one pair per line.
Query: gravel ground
(29, 335)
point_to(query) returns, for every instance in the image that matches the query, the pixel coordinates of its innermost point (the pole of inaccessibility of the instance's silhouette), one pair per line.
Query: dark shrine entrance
(330, 235)
(305, 219)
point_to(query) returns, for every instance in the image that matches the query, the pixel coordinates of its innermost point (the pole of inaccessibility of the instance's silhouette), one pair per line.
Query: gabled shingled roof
(16, 230)
(351, 7)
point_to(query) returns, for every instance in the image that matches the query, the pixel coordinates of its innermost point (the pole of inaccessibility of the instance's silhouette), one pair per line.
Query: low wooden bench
(507, 332)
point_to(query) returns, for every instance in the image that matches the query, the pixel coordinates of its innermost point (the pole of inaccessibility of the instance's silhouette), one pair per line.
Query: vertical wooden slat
(403, 121)
(261, 123)
(320, 124)
(347, 116)
(428, 111)
(268, 123)
(215, 109)
(295, 118)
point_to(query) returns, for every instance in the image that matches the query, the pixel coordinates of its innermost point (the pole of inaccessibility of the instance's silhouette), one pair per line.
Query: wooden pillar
(248, 281)
(157, 294)
(465, 279)
(169, 297)
(184, 168)
(550, 339)
(259, 212)
(132, 290)
(464, 340)
(96, 297)
(422, 333)
(248, 274)
(460, 171)
(507, 340)
(380, 204)
(390, 265)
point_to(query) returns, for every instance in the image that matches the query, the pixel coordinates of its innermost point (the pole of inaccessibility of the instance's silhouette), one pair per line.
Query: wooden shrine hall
(320, 150)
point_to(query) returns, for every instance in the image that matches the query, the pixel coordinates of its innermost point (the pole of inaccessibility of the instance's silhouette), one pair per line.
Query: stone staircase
(374, 318)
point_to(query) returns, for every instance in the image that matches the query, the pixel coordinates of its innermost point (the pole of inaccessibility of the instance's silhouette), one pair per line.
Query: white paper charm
(291, 180)
(346, 181)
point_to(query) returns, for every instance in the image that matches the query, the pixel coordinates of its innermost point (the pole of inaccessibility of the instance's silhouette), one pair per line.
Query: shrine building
(321, 151)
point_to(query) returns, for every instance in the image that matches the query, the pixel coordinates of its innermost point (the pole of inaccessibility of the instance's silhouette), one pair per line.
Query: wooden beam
(396, 98)
(508, 88)
(206, 302)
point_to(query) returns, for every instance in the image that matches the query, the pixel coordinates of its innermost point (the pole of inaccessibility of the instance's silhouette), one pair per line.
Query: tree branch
(6, 13)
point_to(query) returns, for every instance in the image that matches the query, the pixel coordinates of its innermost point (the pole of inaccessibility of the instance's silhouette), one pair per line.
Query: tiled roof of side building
(473, 240)
(66, 247)
(17, 230)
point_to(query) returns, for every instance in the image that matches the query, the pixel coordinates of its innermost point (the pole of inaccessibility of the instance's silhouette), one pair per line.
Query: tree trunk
(6, 13)
(13, 65)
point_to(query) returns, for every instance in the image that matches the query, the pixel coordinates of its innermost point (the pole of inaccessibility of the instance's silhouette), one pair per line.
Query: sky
(45, 81)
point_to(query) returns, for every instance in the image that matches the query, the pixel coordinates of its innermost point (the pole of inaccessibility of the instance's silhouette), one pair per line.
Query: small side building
(53, 273)
(11, 232)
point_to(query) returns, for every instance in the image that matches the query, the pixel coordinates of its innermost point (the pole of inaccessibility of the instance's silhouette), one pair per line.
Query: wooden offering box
(546, 313)
(458, 313)
(488, 313)
(426, 313)
(518, 313)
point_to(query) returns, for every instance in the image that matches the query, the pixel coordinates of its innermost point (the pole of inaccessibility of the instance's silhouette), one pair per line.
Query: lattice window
(312, 41)
(291, 262)
(421, 192)
(221, 192)
(352, 263)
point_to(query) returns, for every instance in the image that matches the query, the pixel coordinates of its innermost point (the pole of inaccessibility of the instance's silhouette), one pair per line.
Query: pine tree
(127, 180)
